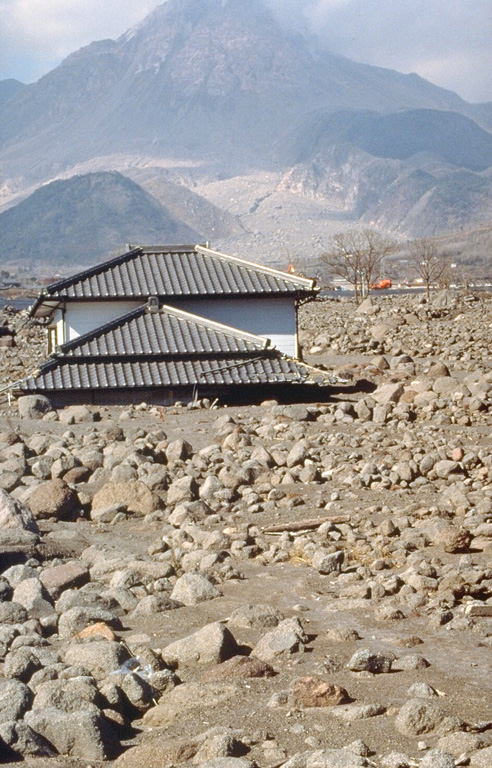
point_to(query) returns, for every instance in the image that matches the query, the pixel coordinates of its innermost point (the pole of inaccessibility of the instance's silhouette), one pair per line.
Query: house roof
(99, 374)
(163, 332)
(165, 348)
(171, 272)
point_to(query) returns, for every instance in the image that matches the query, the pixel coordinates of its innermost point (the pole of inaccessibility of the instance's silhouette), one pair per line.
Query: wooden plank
(475, 609)
(311, 523)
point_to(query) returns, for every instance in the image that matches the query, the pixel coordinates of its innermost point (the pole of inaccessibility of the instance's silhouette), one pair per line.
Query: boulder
(100, 657)
(15, 699)
(60, 577)
(256, 616)
(183, 489)
(435, 758)
(72, 695)
(370, 661)
(33, 406)
(482, 758)
(185, 699)
(313, 691)
(445, 386)
(54, 498)
(237, 668)
(82, 734)
(420, 716)
(388, 393)
(134, 495)
(178, 450)
(287, 638)
(24, 741)
(194, 588)
(212, 644)
(75, 619)
(32, 595)
(381, 331)
(21, 664)
(15, 515)
(328, 562)
(12, 613)
(75, 414)
(453, 539)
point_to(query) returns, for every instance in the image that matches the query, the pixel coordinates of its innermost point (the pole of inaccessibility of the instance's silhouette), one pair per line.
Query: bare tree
(343, 261)
(431, 265)
(356, 256)
(375, 249)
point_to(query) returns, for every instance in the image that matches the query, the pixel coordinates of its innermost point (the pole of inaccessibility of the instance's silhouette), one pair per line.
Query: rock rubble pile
(307, 585)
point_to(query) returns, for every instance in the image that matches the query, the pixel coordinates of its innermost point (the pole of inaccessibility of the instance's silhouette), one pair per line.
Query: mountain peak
(205, 45)
(212, 81)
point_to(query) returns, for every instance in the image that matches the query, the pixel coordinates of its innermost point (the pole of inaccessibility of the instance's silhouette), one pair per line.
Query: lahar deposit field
(305, 585)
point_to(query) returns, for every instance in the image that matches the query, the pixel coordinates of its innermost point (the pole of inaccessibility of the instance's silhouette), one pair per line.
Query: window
(52, 338)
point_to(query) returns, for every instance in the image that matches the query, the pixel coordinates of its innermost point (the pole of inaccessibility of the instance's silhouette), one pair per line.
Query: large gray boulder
(15, 699)
(76, 414)
(32, 595)
(419, 716)
(183, 489)
(15, 515)
(388, 393)
(194, 588)
(75, 619)
(23, 740)
(210, 645)
(287, 638)
(72, 695)
(75, 734)
(189, 698)
(12, 613)
(33, 406)
(133, 494)
(100, 657)
(178, 450)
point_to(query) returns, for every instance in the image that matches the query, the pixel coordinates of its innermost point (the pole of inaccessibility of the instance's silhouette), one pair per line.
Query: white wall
(57, 320)
(273, 318)
(84, 316)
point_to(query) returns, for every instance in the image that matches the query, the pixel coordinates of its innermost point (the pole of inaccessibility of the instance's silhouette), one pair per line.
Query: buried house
(198, 280)
(166, 323)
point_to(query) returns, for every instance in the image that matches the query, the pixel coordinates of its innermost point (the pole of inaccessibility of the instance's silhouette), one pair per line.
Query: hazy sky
(445, 41)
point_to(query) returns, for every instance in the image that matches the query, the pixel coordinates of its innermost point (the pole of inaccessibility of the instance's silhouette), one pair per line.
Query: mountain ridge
(8, 89)
(290, 141)
(197, 62)
(86, 217)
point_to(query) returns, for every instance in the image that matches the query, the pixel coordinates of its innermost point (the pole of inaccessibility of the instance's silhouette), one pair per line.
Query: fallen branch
(299, 525)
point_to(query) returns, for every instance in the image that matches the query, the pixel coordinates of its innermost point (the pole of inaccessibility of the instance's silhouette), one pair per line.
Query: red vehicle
(381, 284)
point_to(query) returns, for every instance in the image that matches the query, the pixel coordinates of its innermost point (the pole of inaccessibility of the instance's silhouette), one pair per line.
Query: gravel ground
(307, 586)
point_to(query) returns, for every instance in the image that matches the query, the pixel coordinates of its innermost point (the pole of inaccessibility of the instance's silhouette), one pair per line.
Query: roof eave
(44, 306)
(308, 283)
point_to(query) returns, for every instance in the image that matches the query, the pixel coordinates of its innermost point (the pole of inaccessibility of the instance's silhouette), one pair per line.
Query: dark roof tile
(174, 271)
(102, 374)
(165, 332)
(164, 347)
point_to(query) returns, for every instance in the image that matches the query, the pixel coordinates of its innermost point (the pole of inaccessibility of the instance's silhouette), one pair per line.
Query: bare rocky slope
(51, 226)
(306, 586)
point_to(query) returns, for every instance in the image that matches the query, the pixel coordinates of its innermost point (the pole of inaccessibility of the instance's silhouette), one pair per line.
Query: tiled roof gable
(164, 332)
(164, 347)
(97, 374)
(176, 271)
